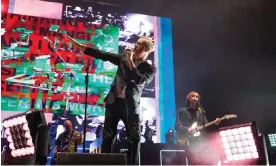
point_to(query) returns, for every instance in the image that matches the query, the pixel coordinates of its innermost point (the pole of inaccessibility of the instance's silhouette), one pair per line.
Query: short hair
(147, 42)
(67, 121)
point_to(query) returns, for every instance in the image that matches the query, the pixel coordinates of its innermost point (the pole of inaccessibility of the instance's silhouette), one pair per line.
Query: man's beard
(193, 104)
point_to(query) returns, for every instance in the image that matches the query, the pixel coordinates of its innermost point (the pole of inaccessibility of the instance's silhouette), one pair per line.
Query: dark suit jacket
(135, 80)
(184, 120)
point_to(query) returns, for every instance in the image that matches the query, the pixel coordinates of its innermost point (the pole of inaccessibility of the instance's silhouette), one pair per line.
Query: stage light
(12, 146)
(30, 142)
(25, 127)
(241, 143)
(7, 131)
(233, 137)
(28, 134)
(272, 139)
(170, 137)
(20, 131)
(17, 132)
(9, 138)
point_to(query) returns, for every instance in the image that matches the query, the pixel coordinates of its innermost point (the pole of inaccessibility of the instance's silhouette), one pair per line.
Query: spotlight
(21, 132)
(272, 139)
(25, 127)
(169, 137)
(243, 144)
(123, 134)
(28, 134)
(9, 138)
(14, 127)
(11, 145)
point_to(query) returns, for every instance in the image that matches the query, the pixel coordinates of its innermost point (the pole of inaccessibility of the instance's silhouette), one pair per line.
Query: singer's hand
(129, 55)
(79, 45)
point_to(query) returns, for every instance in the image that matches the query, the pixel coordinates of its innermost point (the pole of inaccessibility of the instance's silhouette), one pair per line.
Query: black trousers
(113, 113)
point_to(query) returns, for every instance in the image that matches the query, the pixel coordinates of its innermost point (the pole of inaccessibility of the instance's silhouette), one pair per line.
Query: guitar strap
(197, 116)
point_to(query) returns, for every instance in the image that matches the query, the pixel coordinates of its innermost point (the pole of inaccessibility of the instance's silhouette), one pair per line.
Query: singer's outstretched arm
(96, 53)
(105, 56)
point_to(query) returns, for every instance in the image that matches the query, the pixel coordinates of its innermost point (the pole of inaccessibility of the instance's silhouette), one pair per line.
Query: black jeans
(113, 113)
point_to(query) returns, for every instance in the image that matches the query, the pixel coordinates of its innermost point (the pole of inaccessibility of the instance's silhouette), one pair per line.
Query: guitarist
(68, 140)
(187, 116)
(185, 122)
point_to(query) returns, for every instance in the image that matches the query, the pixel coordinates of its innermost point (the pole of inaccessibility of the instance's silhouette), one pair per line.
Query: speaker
(91, 159)
(162, 154)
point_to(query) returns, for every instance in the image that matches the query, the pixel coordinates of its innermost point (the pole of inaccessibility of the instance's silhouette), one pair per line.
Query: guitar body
(63, 149)
(183, 140)
(195, 129)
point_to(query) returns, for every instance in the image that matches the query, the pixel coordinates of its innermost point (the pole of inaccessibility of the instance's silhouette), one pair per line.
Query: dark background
(225, 50)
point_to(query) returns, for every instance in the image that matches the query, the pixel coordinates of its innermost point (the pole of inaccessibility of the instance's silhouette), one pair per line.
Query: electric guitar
(195, 129)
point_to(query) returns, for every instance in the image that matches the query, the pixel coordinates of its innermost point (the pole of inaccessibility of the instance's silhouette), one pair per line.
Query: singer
(123, 100)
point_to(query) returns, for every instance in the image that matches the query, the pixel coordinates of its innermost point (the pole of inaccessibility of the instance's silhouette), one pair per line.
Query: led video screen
(41, 70)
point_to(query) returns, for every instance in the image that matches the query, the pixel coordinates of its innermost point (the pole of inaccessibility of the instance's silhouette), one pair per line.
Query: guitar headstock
(230, 116)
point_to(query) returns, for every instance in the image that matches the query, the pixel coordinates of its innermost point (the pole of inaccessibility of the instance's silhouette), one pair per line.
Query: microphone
(46, 38)
(200, 108)
(129, 50)
(198, 103)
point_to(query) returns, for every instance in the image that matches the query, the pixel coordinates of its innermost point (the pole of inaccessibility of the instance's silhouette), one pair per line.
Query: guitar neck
(209, 124)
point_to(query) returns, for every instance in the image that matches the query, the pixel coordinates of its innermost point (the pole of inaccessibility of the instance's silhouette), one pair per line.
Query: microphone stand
(85, 108)
(203, 113)
(86, 95)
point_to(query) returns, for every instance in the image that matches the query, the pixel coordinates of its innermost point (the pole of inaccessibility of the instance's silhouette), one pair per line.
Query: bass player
(68, 140)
